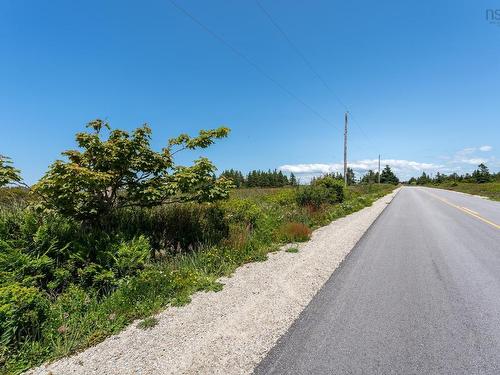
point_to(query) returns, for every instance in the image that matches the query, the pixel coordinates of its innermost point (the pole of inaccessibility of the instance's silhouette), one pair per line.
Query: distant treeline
(258, 178)
(387, 176)
(275, 178)
(479, 176)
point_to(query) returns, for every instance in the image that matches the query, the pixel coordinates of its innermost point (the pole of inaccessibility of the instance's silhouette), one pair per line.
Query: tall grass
(489, 189)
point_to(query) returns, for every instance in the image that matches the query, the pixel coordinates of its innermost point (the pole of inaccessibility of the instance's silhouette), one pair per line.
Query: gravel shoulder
(228, 332)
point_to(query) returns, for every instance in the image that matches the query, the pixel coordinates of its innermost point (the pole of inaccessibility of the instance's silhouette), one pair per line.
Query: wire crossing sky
(308, 64)
(420, 80)
(250, 62)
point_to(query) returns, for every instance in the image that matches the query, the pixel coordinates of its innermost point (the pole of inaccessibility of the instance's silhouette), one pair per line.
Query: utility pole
(345, 148)
(379, 168)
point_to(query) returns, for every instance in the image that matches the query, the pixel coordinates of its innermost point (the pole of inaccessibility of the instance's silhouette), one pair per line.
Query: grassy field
(490, 189)
(53, 302)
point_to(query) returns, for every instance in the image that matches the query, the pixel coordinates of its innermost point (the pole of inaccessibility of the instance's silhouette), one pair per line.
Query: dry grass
(295, 232)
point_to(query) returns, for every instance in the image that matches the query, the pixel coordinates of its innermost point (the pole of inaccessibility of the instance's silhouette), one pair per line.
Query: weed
(292, 250)
(295, 232)
(148, 323)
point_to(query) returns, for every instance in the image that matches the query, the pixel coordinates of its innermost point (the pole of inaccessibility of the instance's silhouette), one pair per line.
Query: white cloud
(485, 148)
(466, 151)
(359, 166)
(469, 156)
(461, 161)
(404, 168)
(309, 168)
(474, 161)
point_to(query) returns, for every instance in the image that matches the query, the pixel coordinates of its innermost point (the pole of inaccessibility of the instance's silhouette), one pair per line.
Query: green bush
(22, 310)
(313, 196)
(325, 190)
(316, 196)
(132, 256)
(173, 227)
(335, 186)
(283, 197)
(94, 276)
(243, 211)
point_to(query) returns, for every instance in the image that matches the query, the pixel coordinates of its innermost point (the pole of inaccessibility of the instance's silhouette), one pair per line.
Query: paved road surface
(420, 294)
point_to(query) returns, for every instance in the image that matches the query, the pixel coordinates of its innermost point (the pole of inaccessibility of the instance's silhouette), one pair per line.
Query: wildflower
(63, 329)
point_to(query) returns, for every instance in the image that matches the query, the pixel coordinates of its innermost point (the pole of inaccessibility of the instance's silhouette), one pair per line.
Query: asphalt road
(419, 294)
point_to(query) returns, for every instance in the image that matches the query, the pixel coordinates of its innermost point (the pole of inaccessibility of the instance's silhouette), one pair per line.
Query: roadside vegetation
(479, 182)
(116, 232)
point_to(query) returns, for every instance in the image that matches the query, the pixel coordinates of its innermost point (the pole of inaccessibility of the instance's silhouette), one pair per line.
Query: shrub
(172, 227)
(335, 186)
(315, 196)
(18, 266)
(242, 211)
(132, 255)
(95, 276)
(283, 197)
(22, 310)
(324, 190)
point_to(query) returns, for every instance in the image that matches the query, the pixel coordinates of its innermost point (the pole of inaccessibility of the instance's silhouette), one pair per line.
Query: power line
(298, 51)
(248, 61)
(359, 126)
(307, 62)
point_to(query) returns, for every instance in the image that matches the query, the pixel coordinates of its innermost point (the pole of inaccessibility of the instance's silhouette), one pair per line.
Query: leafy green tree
(482, 174)
(293, 180)
(388, 177)
(8, 174)
(121, 170)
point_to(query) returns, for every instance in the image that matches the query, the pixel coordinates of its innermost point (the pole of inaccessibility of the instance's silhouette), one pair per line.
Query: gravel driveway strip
(228, 332)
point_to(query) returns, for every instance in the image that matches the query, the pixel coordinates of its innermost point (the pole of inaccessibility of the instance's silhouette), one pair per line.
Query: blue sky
(422, 80)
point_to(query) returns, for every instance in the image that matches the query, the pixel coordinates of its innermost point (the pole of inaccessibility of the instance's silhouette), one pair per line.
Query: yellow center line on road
(471, 211)
(466, 210)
